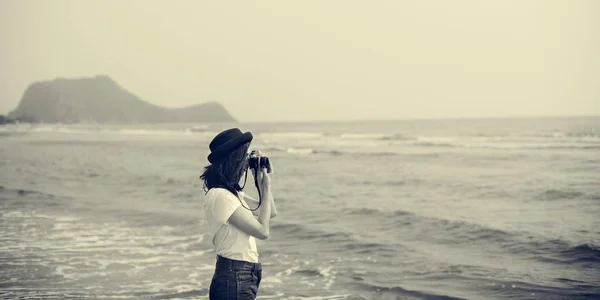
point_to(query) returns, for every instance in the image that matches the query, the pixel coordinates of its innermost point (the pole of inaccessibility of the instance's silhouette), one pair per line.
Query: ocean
(415, 209)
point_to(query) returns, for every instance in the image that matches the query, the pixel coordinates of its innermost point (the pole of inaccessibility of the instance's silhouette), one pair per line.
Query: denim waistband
(225, 263)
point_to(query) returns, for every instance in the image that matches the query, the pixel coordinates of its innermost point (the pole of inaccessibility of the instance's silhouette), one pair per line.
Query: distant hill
(100, 99)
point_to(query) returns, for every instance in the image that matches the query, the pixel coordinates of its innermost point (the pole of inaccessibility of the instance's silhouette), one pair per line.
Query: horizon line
(425, 119)
(383, 120)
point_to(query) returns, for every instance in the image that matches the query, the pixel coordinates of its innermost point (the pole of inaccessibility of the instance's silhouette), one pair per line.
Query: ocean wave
(333, 241)
(24, 192)
(385, 150)
(593, 197)
(301, 231)
(554, 194)
(561, 134)
(151, 132)
(456, 232)
(461, 232)
(440, 230)
(359, 153)
(585, 137)
(396, 137)
(364, 136)
(378, 212)
(101, 129)
(289, 150)
(174, 295)
(308, 151)
(569, 141)
(498, 145)
(292, 135)
(329, 135)
(553, 251)
(543, 134)
(400, 291)
(381, 140)
(584, 253)
(5, 133)
(310, 273)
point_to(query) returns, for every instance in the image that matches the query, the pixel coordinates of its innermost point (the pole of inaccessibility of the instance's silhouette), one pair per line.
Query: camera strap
(245, 179)
(255, 184)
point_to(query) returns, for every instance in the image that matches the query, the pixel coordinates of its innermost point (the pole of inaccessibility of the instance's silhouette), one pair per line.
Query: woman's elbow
(263, 236)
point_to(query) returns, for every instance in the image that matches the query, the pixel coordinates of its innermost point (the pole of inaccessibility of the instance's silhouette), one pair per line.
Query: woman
(234, 227)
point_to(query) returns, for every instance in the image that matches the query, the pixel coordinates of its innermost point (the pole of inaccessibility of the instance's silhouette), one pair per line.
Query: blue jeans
(235, 280)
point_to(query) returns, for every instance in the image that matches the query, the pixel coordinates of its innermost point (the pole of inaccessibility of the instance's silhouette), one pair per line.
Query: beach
(414, 209)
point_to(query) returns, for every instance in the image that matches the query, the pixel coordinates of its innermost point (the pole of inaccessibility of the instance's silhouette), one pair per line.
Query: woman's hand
(264, 180)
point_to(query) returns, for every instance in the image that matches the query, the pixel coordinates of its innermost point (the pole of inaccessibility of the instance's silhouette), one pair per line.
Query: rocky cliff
(100, 99)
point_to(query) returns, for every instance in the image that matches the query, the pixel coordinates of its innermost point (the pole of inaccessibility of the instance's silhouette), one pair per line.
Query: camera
(258, 161)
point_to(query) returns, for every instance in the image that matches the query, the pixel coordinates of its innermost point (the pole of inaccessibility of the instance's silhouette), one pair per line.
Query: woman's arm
(255, 203)
(258, 228)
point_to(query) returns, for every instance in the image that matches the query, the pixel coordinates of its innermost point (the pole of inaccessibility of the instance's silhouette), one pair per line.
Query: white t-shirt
(229, 241)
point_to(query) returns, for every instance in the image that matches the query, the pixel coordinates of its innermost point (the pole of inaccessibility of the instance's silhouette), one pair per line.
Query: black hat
(226, 142)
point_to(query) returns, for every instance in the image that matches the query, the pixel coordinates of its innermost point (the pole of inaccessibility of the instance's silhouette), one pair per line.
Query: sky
(316, 60)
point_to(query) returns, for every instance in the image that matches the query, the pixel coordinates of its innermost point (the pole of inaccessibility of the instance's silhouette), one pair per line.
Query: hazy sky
(316, 60)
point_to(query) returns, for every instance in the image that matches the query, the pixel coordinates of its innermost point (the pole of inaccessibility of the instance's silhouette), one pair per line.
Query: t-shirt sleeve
(224, 206)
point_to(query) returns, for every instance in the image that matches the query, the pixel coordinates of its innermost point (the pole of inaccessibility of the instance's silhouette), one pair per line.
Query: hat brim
(229, 146)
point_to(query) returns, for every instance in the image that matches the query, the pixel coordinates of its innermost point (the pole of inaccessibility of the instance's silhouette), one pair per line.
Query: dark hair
(227, 172)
